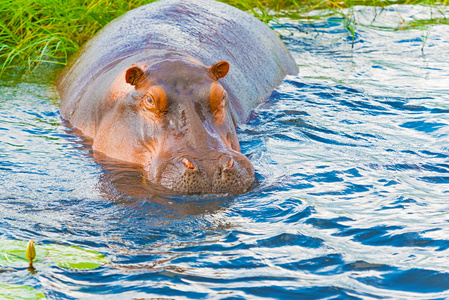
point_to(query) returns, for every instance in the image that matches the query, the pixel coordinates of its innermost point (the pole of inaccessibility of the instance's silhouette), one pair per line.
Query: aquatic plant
(30, 252)
(17, 254)
(33, 32)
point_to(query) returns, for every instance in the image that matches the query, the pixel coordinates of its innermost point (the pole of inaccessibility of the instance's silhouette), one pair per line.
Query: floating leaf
(19, 292)
(74, 257)
(12, 254)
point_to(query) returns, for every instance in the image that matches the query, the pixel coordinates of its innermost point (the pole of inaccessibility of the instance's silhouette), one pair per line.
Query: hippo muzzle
(213, 172)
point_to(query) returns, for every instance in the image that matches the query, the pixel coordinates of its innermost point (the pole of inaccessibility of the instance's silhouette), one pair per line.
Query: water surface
(353, 195)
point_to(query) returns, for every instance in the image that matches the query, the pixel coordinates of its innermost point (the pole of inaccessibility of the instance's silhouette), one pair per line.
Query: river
(352, 162)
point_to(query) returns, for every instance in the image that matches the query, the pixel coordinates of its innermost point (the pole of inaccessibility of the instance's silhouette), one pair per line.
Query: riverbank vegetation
(33, 32)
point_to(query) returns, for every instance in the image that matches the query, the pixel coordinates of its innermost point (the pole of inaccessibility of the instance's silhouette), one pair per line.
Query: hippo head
(175, 120)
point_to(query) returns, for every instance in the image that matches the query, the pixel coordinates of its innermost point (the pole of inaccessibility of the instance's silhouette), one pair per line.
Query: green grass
(37, 31)
(32, 32)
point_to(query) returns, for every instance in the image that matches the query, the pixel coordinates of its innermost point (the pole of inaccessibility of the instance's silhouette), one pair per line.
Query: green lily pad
(12, 254)
(19, 292)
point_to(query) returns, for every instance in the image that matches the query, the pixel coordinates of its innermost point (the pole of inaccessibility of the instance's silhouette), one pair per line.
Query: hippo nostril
(188, 164)
(230, 163)
(226, 162)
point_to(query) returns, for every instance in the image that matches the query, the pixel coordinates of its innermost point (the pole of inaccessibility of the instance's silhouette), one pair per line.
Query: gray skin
(165, 86)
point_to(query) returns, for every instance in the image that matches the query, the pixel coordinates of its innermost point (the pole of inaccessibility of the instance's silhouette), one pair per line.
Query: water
(352, 158)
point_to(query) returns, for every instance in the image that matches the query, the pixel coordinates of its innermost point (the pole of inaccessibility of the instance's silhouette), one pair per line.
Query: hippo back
(206, 30)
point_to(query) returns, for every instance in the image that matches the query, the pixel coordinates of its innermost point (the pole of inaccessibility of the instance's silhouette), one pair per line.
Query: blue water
(352, 158)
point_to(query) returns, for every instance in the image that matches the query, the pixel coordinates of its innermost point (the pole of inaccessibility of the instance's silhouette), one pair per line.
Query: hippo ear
(220, 69)
(134, 75)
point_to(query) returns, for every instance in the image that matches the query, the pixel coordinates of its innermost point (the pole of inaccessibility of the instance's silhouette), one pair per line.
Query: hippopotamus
(165, 85)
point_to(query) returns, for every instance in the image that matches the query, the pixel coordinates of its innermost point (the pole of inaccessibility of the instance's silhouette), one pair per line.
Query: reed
(33, 32)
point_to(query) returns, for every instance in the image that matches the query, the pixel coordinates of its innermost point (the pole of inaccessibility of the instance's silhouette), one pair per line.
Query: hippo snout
(225, 174)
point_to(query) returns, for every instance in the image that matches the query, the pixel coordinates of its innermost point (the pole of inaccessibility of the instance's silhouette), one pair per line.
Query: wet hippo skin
(165, 86)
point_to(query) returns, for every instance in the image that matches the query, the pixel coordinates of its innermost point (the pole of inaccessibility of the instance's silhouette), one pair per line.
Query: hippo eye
(155, 100)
